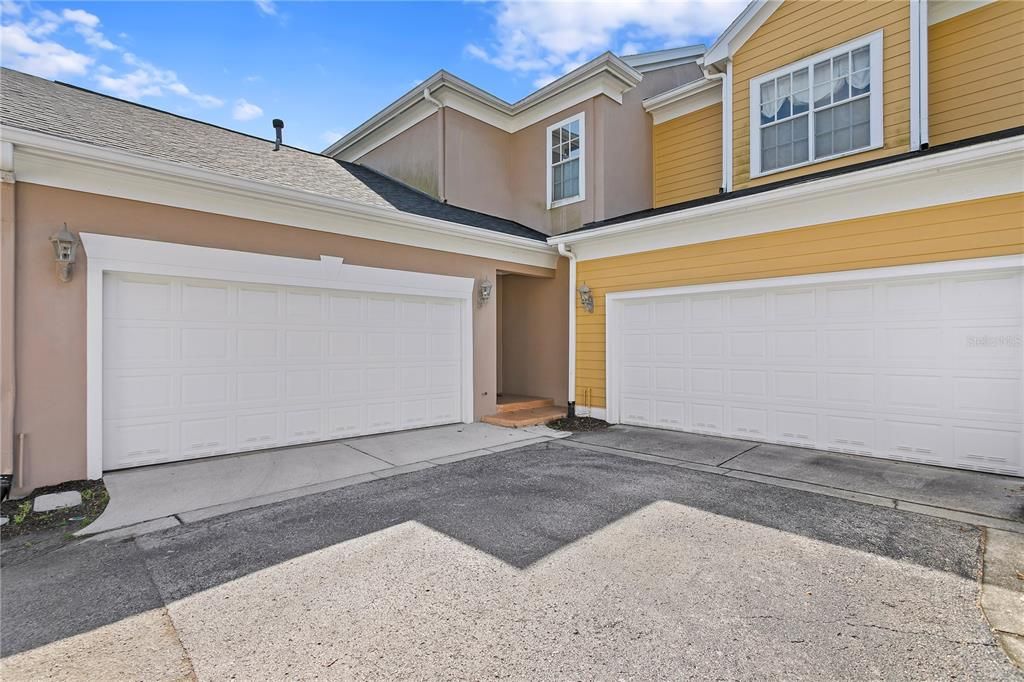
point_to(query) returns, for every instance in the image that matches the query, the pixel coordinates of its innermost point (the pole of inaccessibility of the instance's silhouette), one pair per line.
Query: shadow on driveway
(518, 506)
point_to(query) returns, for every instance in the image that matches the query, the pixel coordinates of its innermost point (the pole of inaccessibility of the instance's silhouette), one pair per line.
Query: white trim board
(614, 300)
(941, 10)
(684, 100)
(56, 162)
(604, 75)
(979, 171)
(107, 253)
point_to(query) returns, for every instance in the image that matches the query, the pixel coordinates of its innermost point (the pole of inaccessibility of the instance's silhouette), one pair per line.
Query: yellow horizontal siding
(688, 156)
(976, 72)
(970, 229)
(801, 28)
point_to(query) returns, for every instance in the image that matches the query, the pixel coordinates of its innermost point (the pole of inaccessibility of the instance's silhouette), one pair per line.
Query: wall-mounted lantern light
(486, 288)
(586, 298)
(65, 247)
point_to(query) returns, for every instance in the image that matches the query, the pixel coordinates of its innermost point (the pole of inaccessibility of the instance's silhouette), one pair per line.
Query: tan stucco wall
(51, 330)
(625, 163)
(535, 335)
(412, 156)
(505, 174)
(529, 175)
(477, 165)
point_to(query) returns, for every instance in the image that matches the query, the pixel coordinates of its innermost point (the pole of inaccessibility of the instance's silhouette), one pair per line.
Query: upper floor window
(565, 161)
(823, 107)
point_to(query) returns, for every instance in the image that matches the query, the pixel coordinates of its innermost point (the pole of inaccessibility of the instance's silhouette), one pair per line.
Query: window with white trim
(823, 107)
(565, 159)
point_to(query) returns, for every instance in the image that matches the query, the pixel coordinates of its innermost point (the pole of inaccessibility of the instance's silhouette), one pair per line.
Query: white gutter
(918, 74)
(103, 158)
(982, 154)
(564, 250)
(441, 170)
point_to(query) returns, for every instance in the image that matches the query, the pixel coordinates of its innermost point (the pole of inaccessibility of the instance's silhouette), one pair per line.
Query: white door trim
(108, 253)
(614, 300)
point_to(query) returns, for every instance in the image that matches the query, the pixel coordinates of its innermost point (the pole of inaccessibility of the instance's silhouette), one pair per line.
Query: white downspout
(563, 250)
(441, 152)
(726, 79)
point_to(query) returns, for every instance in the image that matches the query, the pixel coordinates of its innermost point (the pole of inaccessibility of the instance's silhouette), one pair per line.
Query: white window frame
(874, 43)
(581, 117)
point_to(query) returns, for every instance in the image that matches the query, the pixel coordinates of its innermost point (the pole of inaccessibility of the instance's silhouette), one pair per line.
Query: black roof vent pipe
(278, 127)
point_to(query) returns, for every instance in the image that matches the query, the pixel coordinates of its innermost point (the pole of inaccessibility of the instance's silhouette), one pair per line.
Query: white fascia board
(663, 59)
(56, 162)
(739, 31)
(390, 128)
(941, 10)
(603, 84)
(606, 74)
(976, 172)
(684, 100)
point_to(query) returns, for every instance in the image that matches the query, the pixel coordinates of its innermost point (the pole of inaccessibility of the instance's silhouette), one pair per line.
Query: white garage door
(924, 369)
(193, 368)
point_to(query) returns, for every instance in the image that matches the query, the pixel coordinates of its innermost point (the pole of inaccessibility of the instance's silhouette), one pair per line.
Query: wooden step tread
(515, 403)
(528, 417)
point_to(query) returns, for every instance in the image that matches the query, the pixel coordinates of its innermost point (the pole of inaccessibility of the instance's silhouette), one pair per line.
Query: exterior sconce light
(486, 288)
(65, 247)
(586, 298)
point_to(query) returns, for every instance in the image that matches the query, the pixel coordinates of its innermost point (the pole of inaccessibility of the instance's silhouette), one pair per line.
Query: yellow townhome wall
(688, 156)
(976, 72)
(802, 28)
(970, 229)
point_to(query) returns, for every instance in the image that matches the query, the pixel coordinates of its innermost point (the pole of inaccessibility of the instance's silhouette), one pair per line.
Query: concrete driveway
(543, 562)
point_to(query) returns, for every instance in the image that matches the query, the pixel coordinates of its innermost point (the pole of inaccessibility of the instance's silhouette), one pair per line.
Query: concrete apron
(983, 499)
(161, 496)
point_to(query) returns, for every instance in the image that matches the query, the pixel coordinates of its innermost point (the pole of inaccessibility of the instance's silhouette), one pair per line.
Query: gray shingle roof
(73, 113)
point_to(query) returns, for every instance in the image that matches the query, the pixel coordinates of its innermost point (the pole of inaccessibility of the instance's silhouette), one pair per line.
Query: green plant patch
(21, 519)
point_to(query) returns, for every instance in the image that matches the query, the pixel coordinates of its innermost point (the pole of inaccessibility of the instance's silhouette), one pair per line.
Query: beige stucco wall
(51, 330)
(529, 175)
(535, 329)
(505, 174)
(412, 156)
(477, 165)
(624, 164)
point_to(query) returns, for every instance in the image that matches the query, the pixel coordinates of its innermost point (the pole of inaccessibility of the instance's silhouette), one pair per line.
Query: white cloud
(21, 49)
(147, 80)
(550, 38)
(87, 26)
(30, 44)
(246, 111)
(268, 7)
(80, 16)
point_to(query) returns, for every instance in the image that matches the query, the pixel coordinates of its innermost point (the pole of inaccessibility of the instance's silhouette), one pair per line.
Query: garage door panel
(925, 369)
(234, 367)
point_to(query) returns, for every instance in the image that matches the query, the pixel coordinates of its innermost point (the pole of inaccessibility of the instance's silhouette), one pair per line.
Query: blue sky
(324, 67)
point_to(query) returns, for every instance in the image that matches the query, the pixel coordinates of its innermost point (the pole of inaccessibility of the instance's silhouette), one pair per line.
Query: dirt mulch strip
(21, 519)
(577, 424)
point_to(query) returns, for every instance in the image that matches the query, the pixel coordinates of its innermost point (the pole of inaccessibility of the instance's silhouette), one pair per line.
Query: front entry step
(530, 416)
(515, 403)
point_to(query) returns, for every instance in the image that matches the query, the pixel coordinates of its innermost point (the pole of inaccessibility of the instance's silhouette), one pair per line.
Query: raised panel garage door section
(918, 368)
(194, 368)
